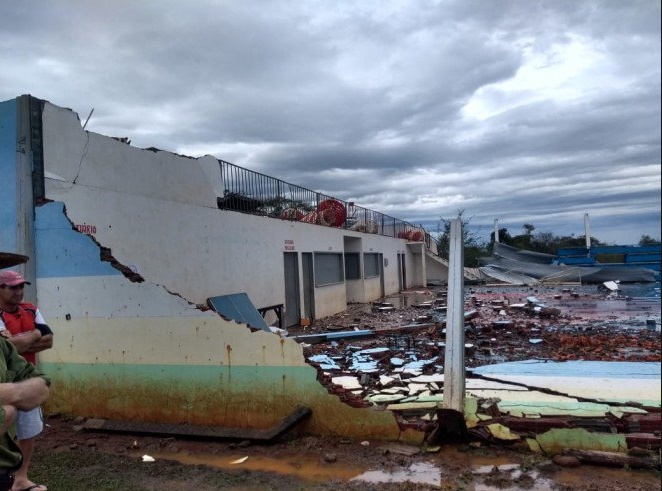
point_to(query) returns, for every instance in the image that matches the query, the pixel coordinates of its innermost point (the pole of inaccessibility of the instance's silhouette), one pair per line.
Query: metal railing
(251, 192)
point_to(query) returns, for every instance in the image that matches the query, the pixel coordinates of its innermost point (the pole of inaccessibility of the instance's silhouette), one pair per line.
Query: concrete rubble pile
(397, 362)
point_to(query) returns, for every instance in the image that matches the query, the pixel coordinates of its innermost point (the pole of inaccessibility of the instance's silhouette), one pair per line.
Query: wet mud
(323, 464)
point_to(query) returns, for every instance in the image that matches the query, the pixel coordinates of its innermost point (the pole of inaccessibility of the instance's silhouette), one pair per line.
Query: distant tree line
(547, 242)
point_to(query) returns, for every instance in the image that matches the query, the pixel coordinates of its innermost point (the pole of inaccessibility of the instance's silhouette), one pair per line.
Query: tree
(504, 237)
(647, 240)
(544, 242)
(473, 247)
(528, 229)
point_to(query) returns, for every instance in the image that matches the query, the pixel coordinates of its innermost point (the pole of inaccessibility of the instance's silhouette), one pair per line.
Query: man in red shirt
(23, 326)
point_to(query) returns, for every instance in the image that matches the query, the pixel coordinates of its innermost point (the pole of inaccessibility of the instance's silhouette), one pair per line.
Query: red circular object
(327, 217)
(338, 209)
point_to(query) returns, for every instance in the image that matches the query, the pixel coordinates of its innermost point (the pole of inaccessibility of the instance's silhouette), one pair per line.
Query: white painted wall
(372, 288)
(436, 268)
(157, 213)
(355, 291)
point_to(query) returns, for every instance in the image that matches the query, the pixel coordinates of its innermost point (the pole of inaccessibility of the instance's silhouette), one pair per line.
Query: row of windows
(329, 267)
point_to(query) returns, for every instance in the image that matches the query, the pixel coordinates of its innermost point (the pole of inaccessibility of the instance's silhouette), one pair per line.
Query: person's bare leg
(21, 480)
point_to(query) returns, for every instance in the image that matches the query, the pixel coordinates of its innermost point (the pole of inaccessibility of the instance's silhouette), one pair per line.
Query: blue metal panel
(577, 260)
(616, 249)
(643, 258)
(330, 336)
(238, 307)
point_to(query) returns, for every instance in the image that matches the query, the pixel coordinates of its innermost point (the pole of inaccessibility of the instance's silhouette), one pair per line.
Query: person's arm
(7, 417)
(24, 395)
(24, 340)
(44, 342)
(23, 386)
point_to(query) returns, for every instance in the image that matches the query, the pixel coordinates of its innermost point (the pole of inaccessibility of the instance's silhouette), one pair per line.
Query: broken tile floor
(546, 365)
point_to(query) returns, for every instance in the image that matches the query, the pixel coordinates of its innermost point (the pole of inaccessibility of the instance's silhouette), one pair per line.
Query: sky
(519, 111)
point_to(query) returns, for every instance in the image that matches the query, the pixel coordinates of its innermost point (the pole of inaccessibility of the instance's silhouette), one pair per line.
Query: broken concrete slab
(556, 440)
(596, 380)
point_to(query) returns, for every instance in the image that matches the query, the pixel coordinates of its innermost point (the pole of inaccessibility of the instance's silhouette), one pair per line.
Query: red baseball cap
(11, 278)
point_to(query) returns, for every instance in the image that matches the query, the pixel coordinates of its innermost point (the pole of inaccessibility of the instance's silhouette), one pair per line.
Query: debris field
(389, 355)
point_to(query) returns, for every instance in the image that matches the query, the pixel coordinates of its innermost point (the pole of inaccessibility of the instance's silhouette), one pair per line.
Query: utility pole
(454, 370)
(587, 233)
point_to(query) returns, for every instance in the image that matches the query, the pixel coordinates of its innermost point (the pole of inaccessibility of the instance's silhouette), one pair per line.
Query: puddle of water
(538, 485)
(405, 300)
(504, 477)
(490, 473)
(486, 469)
(578, 475)
(308, 469)
(417, 473)
(611, 306)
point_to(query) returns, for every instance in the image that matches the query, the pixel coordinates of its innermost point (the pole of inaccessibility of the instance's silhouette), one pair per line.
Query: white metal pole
(587, 231)
(496, 230)
(454, 372)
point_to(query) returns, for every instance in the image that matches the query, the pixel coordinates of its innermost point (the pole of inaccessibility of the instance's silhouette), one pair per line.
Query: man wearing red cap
(22, 324)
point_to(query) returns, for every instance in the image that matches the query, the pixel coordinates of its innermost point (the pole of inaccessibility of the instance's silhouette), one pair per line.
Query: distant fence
(251, 192)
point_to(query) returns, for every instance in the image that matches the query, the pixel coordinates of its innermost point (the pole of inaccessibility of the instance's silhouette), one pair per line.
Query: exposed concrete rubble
(131, 275)
(396, 364)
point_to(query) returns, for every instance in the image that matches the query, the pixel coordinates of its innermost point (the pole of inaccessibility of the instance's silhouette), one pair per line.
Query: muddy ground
(70, 459)
(581, 323)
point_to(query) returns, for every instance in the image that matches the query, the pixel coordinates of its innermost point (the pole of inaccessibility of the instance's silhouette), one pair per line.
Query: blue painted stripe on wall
(8, 136)
(62, 251)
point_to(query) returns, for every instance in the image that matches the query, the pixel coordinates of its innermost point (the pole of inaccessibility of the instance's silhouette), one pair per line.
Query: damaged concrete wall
(141, 350)
(136, 352)
(137, 199)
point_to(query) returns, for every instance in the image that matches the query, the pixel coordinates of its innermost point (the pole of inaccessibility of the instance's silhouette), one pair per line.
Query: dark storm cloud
(529, 112)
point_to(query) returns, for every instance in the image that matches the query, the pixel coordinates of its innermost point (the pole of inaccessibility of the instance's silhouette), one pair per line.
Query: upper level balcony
(251, 192)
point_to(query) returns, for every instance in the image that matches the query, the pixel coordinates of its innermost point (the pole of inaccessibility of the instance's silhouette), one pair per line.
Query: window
(371, 265)
(328, 268)
(352, 266)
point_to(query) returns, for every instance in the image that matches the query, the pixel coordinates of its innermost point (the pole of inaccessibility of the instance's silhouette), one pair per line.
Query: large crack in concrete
(553, 392)
(105, 254)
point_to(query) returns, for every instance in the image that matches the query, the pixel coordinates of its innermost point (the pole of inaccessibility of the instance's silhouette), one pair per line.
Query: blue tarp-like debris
(325, 362)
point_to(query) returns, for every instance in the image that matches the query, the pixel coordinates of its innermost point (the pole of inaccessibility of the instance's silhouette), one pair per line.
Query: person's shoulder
(27, 306)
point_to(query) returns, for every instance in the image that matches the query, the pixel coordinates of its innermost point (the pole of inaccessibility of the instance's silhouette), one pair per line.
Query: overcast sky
(522, 111)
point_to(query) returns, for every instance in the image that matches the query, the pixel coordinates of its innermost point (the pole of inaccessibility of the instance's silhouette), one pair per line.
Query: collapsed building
(164, 276)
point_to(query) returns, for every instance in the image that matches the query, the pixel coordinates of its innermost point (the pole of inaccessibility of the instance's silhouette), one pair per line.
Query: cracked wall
(143, 351)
